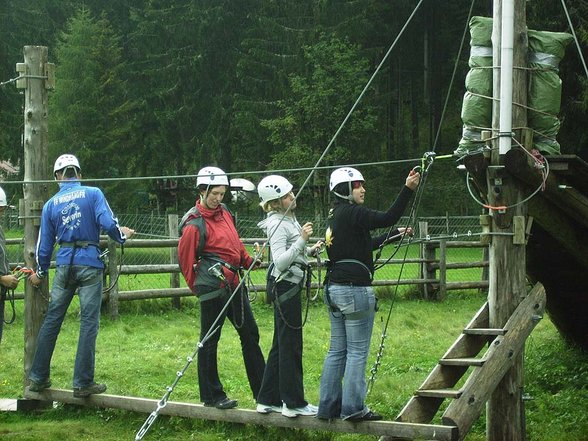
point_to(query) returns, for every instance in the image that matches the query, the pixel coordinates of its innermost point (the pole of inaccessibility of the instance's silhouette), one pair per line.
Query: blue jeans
(88, 281)
(343, 384)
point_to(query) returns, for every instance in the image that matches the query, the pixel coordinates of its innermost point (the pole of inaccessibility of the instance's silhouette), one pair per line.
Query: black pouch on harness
(270, 285)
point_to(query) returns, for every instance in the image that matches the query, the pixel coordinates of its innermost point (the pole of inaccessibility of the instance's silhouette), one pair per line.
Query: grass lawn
(140, 354)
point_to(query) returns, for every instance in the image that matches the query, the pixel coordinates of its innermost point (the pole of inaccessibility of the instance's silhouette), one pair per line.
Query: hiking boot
(267, 408)
(308, 410)
(223, 403)
(370, 416)
(91, 389)
(39, 386)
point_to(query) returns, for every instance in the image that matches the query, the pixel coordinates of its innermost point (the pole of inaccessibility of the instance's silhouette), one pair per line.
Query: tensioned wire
(563, 4)
(213, 328)
(414, 209)
(229, 174)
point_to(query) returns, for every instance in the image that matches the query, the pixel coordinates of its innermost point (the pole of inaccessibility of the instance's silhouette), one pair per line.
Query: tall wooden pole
(37, 78)
(507, 256)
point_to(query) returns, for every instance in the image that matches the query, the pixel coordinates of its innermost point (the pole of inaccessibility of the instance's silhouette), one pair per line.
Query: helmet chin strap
(64, 170)
(349, 197)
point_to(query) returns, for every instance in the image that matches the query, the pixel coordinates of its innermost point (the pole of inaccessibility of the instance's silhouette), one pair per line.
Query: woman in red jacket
(210, 254)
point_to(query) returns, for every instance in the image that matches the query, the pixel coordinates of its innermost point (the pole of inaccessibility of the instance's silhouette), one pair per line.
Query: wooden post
(507, 286)
(37, 78)
(442, 270)
(423, 233)
(174, 278)
(112, 280)
(428, 271)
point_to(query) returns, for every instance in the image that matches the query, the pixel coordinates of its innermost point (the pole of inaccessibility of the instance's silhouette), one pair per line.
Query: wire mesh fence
(404, 257)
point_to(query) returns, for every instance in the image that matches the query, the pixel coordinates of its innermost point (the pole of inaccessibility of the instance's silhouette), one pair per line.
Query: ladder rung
(439, 393)
(485, 331)
(462, 361)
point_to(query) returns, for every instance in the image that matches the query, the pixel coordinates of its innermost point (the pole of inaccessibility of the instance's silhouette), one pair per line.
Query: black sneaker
(370, 416)
(39, 386)
(91, 389)
(223, 403)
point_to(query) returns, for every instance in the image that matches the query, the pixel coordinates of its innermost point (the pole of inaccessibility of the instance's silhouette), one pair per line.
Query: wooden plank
(485, 331)
(462, 361)
(569, 233)
(248, 416)
(572, 203)
(467, 285)
(462, 265)
(502, 353)
(439, 393)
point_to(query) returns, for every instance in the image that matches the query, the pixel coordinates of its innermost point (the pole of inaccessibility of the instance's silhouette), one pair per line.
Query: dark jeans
(282, 379)
(240, 315)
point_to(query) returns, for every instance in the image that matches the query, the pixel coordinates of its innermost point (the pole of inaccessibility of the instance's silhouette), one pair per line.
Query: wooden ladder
(487, 353)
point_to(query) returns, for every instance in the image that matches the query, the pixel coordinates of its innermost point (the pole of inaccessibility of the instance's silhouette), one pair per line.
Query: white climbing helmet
(344, 174)
(241, 189)
(211, 177)
(3, 200)
(65, 161)
(273, 187)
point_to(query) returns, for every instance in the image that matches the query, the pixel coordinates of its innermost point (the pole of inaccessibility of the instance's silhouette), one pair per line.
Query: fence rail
(428, 270)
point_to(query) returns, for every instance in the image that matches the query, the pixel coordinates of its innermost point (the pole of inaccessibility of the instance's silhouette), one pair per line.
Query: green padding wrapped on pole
(476, 112)
(546, 49)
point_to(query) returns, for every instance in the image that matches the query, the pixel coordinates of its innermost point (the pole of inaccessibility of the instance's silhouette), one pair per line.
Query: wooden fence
(432, 262)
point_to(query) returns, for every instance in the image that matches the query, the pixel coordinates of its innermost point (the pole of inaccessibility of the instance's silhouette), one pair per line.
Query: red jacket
(222, 240)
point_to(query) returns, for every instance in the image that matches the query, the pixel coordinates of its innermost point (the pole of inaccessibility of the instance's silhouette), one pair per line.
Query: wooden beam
(247, 416)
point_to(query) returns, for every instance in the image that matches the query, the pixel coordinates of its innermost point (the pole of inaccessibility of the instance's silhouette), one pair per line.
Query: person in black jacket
(348, 293)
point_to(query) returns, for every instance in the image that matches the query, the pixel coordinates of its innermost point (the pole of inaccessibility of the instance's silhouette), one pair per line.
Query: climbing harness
(278, 299)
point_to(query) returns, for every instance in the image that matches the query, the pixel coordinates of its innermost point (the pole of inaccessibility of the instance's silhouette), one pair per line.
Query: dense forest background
(164, 87)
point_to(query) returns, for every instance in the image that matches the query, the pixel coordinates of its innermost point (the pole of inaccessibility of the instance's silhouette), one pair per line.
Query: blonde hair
(269, 206)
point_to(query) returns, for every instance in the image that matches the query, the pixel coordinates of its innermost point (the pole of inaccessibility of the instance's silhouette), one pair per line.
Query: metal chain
(169, 389)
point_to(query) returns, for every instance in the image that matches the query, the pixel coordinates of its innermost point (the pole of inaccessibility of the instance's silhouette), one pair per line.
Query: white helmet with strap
(211, 177)
(273, 187)
(65, 161)
(344, 174)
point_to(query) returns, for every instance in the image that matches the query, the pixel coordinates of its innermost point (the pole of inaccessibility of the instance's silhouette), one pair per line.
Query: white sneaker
(266, 408)
(308, 410)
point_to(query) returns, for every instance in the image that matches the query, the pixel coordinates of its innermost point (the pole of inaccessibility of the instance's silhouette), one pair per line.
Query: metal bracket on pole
(486, 223)
(518, 228)
(21, 83)
(50, 74)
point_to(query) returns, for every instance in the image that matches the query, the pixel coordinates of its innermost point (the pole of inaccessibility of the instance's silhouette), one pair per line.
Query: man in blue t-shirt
(72, 218)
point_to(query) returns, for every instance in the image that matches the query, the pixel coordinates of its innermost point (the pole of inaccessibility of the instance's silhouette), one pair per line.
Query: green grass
(140, 354)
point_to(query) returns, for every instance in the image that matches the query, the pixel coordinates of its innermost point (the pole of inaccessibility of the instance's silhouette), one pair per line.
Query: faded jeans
(343, 383)
(88, 280)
